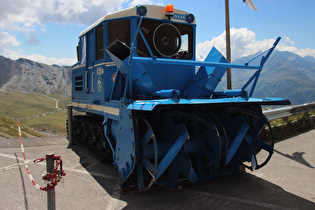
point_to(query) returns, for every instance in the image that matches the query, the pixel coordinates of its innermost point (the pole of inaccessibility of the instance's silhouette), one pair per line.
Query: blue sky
(47, 31)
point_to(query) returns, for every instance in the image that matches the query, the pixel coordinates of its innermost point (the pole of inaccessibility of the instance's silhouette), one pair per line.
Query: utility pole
(228, 45)
(227, 33)
(50, 164)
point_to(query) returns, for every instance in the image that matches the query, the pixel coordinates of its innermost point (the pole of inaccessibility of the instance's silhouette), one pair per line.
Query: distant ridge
(31, 76)
(285, 75)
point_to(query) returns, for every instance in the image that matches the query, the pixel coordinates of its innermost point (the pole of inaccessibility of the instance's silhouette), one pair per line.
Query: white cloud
(288, 45)
(38, 58)
(7, 40)
(139, 2)
(288, 40)
(27, 14)
(50, 61)
(243, 43)
(29, 17)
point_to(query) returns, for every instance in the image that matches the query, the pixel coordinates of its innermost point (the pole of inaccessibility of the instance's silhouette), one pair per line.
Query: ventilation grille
(78, 83)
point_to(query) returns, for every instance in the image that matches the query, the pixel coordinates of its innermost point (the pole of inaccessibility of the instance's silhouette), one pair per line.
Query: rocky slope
(30, 76)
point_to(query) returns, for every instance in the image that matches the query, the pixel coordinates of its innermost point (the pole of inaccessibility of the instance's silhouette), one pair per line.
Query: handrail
(86, 80)
(191, 63)
(288, 111)
(92, 81)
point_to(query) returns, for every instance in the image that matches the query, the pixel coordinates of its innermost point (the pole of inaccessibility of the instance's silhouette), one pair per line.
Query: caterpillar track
(88, 132)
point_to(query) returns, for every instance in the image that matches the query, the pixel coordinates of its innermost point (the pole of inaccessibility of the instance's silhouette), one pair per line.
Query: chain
(51, 179)
(16, 165)
(23, 185)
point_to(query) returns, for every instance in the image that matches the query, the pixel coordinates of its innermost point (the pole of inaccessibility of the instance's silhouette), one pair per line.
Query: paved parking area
(286, 182)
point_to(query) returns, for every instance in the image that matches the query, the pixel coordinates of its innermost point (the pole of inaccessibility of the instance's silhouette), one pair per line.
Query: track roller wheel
(91, 134)
(82, 131)
(99, 138)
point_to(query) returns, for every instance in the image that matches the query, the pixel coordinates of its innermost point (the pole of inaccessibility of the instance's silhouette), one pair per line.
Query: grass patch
(20, 104)
(292, 125)
(38, 113)
(9, 129)
(291, 118)
(51, 123)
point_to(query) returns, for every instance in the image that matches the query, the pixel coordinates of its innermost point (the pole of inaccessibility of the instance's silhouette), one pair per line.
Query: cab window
(119, 30)
(148, 28)
(99, 45)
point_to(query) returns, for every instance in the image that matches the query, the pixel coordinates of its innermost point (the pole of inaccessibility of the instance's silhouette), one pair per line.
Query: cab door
(96, 63)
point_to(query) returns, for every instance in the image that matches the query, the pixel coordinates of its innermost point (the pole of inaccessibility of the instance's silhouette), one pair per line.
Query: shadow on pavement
(296, 156)
(241, 191)
(103, 172)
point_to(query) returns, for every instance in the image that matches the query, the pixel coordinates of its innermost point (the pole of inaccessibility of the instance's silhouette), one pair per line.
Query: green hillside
(285, 75)
(38, 113)
(9, 129)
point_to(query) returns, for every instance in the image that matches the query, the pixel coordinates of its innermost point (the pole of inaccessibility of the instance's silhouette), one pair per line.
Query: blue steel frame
(125, 154)
(164, 61)
(134, 58)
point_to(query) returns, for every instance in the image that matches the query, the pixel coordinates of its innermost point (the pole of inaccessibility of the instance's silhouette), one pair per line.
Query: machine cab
(164, 33)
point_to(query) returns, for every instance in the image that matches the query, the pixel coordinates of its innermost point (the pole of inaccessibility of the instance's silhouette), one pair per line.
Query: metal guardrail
(289, 110)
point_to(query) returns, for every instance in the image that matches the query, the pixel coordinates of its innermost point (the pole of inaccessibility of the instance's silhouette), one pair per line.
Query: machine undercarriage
(179, 144)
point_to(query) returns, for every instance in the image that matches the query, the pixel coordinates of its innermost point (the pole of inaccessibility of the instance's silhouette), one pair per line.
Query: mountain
(30, 76)
(310, 59)
(285, 75)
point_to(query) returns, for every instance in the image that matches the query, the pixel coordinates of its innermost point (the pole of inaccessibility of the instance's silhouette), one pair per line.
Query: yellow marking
(78, 67)
(107, 64)
(110, 64)
(106, 109)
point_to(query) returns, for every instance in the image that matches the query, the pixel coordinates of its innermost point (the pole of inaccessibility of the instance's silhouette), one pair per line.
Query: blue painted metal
(141, 11)
(168, 93)
(193, 177)
(152, 168)
(125, 145)
(207, 78)
(150, 105)
(128, 80)
(172, 152)
(105, 123)
(237, 141)
(162, 116)
(146, 44)
(256, 143)
(192, 63)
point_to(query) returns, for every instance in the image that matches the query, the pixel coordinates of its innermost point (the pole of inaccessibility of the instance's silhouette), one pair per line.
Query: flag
(250, 4)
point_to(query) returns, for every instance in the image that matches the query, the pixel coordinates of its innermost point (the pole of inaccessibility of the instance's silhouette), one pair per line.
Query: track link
(88, 133)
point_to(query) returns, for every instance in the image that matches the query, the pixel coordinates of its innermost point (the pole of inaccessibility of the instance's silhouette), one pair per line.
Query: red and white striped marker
(26, 166)
(52, 178)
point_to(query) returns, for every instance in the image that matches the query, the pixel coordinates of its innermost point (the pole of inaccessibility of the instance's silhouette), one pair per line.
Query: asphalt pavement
(286, 182)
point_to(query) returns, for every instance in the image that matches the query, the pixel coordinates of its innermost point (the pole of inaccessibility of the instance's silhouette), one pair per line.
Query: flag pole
(228, 45)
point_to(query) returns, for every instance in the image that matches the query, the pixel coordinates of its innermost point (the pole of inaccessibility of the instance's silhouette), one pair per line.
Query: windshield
(173, 40)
